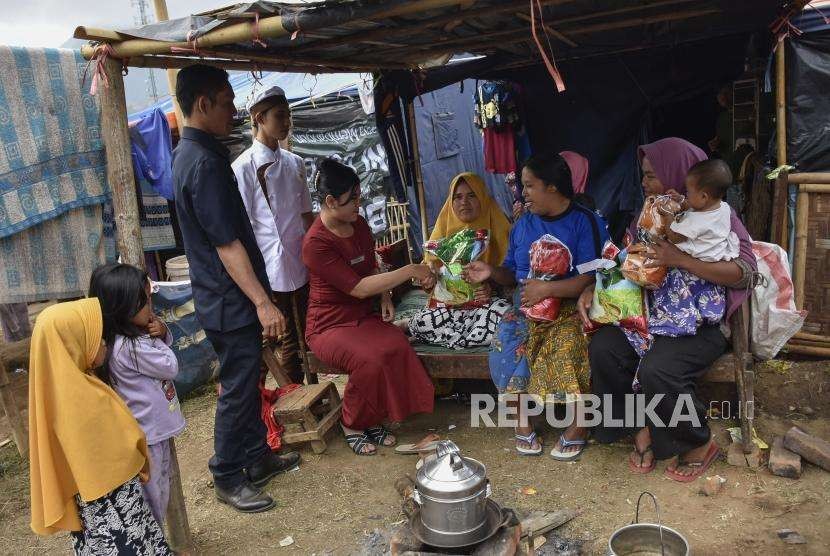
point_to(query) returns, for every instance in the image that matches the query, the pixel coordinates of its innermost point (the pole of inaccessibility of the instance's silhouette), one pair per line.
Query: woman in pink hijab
(672, 365)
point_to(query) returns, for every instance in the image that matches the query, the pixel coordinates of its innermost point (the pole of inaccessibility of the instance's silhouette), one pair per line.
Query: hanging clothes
(152, 151)
(499, 150)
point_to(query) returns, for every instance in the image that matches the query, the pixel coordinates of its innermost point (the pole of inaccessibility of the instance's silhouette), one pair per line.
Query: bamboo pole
(809, 343)
(476, 42)
(178, 526)
(812, 337)
(504, 7)
(802, 218)
(167, 62)
(416, 163)
(779, 211)
(813, 177)
(808, 350)
(268, 28)
(116, 138)
(160, 7)
(781, 104)
(814, 187)
(781, 136)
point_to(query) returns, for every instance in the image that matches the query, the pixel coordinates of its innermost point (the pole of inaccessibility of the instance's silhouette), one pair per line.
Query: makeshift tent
(413, 35)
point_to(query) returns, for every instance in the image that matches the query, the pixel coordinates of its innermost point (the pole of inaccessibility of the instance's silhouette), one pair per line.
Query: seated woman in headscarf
(666, 372)
(468, 206)
(544, 359)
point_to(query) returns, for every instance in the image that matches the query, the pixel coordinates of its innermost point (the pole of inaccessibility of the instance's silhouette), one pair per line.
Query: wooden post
(416, 163)
(116, 137)
(802, 218)
(120, 175)
(178, 526)
(9, 404)
(779, 210)
(781, 138)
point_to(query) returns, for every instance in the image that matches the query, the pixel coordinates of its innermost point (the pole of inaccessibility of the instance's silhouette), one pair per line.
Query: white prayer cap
(271, 93)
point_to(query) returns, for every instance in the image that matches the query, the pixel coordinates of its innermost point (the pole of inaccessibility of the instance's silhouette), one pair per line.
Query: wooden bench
(731, 367)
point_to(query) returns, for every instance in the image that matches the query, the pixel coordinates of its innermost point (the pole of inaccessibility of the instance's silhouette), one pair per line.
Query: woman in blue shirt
(544, 359)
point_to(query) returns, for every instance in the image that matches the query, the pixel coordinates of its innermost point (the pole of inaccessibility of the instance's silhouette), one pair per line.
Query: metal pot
(452, 493)
(647, 539)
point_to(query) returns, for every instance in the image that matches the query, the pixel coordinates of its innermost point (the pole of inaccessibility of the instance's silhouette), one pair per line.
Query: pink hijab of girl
(671, 159)
(579, 169)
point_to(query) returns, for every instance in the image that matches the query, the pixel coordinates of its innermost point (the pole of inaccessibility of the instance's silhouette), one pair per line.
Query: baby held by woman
(704, 230)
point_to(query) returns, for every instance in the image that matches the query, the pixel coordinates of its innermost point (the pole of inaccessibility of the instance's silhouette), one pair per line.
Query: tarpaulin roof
(296, 86)
(360, 35)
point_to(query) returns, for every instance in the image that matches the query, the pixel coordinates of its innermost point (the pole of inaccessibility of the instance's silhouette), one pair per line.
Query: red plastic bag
(549, 259)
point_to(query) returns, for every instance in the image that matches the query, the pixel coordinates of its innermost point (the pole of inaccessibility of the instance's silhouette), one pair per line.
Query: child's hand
(157, 328)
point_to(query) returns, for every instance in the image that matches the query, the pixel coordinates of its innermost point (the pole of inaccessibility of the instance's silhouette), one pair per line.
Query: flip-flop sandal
(378, 434)
(699, 467)
(529, 440)
(559, 455)
(640, 469)
(357, 441)
(426, 444)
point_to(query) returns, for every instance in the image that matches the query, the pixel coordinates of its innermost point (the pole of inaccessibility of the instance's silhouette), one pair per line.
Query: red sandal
(699, 467)
(640, 469)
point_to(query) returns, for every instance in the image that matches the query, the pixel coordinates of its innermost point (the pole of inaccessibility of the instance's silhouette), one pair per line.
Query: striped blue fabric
(51, 156)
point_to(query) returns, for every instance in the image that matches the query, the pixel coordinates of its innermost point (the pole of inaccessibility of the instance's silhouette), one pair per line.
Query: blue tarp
(450, 144)
(297, 86)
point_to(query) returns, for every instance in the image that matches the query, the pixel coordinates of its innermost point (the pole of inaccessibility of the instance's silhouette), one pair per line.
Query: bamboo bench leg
(178, 527)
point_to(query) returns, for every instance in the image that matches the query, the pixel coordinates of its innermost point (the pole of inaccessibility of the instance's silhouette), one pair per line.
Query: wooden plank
(815, 187)
(812, 448)
(539, 523)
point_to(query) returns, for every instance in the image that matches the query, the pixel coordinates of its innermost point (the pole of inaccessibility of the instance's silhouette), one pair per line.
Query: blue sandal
(565, 443)
(357, 441)
(378, 434)
(529, 440)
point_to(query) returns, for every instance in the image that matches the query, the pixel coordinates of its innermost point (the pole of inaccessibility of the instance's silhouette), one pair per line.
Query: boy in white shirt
(704, 230)
(272, 183)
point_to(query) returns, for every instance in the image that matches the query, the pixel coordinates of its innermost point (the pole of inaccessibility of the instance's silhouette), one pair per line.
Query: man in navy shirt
(230, 287)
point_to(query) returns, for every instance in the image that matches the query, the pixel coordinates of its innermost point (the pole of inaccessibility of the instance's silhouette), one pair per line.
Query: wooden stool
(314, 407)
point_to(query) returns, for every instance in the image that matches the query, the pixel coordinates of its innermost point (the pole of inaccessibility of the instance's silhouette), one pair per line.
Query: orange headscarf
(491, 218)
(82, 437)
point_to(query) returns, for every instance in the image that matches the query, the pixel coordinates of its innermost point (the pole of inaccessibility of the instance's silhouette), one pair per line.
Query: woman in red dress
(386, 379)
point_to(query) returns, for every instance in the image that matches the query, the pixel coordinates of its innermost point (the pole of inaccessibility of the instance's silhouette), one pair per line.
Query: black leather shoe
(245, 498)
(270, 466)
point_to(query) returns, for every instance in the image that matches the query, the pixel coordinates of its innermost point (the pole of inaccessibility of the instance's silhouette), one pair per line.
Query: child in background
(704, 231)
(141, 368)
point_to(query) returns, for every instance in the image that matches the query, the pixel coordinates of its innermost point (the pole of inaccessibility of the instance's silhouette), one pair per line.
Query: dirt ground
(336, 500)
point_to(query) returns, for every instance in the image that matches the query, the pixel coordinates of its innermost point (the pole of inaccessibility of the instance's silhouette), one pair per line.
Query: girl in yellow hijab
(87, 451)
(468, 206)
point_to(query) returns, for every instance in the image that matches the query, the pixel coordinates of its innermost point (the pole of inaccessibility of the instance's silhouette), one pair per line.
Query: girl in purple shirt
(141, 368)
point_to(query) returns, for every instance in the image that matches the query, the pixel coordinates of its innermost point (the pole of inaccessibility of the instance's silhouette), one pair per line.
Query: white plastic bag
(774, 316)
